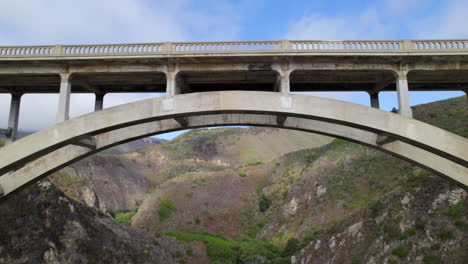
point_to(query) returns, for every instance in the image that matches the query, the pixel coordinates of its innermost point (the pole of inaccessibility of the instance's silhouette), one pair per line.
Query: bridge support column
(285, 86)
(99, 102)
(64, 98)
(374, 100)
(172, 85)
(404, 107)
(14, 117)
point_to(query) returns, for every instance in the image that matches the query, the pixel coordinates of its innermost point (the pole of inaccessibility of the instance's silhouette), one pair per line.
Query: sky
(51, 22)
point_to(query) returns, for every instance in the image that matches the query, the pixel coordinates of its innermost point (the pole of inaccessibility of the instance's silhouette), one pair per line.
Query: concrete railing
(348, 45)
(239, 47)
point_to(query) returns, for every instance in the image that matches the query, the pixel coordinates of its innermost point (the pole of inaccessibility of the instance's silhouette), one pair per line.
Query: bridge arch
(48, 150)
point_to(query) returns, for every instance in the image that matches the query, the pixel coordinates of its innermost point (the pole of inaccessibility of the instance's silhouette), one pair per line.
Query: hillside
(313, 194)
(248, 195)
(42, 225)
(123, 180)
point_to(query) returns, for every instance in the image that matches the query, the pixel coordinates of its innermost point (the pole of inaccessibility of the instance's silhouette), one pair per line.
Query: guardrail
(167, 48)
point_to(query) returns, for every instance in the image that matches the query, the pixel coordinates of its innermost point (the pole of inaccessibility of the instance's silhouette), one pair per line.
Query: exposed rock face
(41, 225)
(402, 228)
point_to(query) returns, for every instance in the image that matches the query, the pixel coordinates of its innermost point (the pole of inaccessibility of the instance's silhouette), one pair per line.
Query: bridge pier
(64, 98)
(99, 101)
(284, 81)
(172, 85)
(13, 117)
(374, 100)
(404, 107)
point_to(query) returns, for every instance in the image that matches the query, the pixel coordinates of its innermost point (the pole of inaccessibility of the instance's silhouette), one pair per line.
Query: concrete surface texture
(232, 83)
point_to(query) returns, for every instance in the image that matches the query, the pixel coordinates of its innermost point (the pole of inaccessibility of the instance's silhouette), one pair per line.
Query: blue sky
(33, 22)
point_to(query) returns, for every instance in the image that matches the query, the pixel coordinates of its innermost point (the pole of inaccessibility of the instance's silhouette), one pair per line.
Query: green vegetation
(254, 163)
(432, 260)
(165, 210)
(223, 250)
(243, 174)
(455, 211)
(400, 252)
(264, 203)
(447, 114)
(445, 234)
(407, 233)
(125, 218)
(420, 224)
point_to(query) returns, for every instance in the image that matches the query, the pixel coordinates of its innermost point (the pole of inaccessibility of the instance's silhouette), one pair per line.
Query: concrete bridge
(232, 83)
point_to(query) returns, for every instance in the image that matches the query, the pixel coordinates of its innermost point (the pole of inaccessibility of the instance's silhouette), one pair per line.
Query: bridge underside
(48, 150)
(370, 81)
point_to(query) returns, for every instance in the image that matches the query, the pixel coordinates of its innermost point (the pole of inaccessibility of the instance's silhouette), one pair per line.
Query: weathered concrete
(443, 144)
(99, 101)
(374, 100)
(13, 117)
(404, 107)
(64, 98)
(69, 154)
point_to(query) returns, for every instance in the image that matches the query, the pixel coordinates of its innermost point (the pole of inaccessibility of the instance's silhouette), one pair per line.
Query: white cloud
(34, 22)
(31, 22)
(365, 25)
(449, 23)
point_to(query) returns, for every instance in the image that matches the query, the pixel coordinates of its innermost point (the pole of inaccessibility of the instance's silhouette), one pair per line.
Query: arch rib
(67, 155)
(296, 107)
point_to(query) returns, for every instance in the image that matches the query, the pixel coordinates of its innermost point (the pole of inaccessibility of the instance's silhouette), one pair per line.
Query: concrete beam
(384, 139)
(382, 85)
(281, 119)
(90, 87)
(86, 142)
(14, 117)
(64, 98)
(183, 121)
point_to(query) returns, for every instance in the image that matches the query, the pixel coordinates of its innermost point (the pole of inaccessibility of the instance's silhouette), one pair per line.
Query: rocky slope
(315, 194)
(122, 181)
(263, 195)
(42, 225)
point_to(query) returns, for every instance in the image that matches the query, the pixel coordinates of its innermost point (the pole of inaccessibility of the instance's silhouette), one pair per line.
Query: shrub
(125, 218)
(165, 210)
(456, 210)
(291, 247)
(243, 174)
(223, 250)
(445, 234)
(400, 252)
(408, 233)
(138, 202)
(420, 224)
(432, 260)
(264, 203)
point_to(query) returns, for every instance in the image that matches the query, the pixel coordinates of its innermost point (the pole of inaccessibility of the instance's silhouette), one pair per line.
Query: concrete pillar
(99, 102)
(172, 87)
(285, 86)
(404, 107)
(282, 82)
(14, 117)
(374, 100)
(64, 98)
